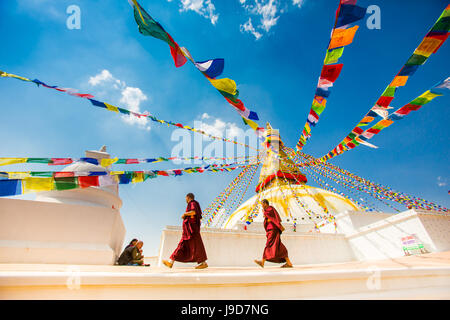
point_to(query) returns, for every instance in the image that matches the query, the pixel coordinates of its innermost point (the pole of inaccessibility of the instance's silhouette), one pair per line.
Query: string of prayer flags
(108, 162)
(360, 136)
(211, 69)
(376, 190)
(70, 91)
(149, 27)
(433, 40)
(118, 110)
(419, 102)
(342, 35)
(29, 182)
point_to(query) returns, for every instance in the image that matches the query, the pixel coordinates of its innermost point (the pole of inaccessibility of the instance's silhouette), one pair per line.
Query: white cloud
(248, 27)
(205, 116)
(205, 8)
(266, 12)
(103, 76)
(441, 182)
(297, 3)
(130, 97)
(219, 128)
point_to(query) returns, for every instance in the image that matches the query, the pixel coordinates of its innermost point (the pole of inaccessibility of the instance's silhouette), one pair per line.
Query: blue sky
(273, 50)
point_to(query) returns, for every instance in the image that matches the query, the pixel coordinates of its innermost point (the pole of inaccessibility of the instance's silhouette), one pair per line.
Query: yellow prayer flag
(137, 177)
(429, 95)
(108, 162)
(18, 175)
(428, 46)
(116, 172)
(111, 107)
(10, 75)
(251, 123)
(307, 128)
(226, 85)
(5, 161)
(31, 185)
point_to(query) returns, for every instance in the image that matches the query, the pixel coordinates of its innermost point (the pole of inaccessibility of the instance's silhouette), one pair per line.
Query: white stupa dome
(105, 196)
(285, 199)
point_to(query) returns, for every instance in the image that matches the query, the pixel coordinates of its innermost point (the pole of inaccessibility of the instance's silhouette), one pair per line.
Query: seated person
(132, 243)
(132, 256)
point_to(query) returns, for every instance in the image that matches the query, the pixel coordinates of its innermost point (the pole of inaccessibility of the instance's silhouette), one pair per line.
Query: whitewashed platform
(424, 276)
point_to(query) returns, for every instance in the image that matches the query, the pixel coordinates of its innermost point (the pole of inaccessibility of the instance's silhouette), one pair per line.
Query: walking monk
(274, 251)
(190, 248)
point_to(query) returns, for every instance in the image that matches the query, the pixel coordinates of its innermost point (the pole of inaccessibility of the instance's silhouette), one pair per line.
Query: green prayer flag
(38, 160)
(333, 55)
(66, 183)
(389, 92)
(416, 59)
(148, 26)
(46, 174)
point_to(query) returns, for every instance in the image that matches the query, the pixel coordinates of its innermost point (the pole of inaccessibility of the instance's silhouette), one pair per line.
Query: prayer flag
(333, 55)
(6, 161)
(10, 187)
(349, 13)
(90, 181)
(37, 184)
(331, 72)
(342, 37)
(212, 68)
(149, 27)
(66, 183)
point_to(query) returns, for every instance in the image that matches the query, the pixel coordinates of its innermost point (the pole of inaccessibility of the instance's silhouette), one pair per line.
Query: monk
(274, 251)
(190, 248)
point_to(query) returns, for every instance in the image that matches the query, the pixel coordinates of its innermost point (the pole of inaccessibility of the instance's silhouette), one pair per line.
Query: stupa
(76, 226)
(284, 186)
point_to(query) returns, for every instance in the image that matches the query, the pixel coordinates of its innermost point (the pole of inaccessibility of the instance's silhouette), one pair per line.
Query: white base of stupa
(360, 236)
(61, 233)
(415, 277)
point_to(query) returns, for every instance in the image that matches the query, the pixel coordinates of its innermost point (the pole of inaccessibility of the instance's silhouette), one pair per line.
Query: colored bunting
(375, 190)
(115, 109)
(341, 35)
(109, 162)
(433, 40)
(48, 181)
(149, 27)
(209, 68)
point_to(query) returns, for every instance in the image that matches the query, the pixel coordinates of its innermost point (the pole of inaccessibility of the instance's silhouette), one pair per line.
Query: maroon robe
(191, 248)
(274, 251)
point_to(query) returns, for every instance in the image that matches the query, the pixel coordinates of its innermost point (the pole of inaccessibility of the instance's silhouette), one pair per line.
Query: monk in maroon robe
(275, 251)
(190, 248)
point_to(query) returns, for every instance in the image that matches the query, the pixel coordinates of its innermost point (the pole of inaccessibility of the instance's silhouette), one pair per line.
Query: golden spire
(277, 169)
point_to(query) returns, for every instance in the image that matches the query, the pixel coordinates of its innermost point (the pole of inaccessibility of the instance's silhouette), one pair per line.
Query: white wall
(382, 239)
(240, 248)
(44, 232)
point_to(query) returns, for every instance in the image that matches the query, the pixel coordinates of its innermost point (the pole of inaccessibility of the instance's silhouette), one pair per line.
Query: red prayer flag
(331, 72)
(384, 101)
(63, 174)
(89, 181)
(60, 161)
(358, 130)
